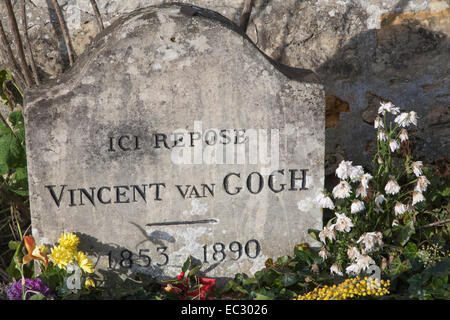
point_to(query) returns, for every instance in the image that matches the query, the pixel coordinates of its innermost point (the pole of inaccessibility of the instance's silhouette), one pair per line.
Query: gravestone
(174, 136)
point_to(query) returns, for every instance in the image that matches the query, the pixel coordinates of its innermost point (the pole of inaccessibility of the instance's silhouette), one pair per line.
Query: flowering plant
(373, 211)
(350, 288)
(63, 267)
(189, 286)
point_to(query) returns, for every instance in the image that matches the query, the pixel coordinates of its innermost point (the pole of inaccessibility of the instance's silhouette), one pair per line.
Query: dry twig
(64, 31)
(27, 42)
(15, 32)
(97, 15)
(11, 61)
(245, 16)
(437, 223)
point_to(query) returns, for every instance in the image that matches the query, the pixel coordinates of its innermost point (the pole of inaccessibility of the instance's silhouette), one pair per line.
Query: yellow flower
(69, 241)
(350, 288)
(42, 249)
(61, 256)
(84, 262)
(89, 283)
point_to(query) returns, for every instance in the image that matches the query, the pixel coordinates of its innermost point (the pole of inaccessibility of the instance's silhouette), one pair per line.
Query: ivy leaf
(410, 250)
(288, 279)
(403, 233)
(12, 153)
(249, 282)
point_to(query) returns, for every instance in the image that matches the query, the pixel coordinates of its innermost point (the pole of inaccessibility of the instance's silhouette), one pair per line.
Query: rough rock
(396, 50)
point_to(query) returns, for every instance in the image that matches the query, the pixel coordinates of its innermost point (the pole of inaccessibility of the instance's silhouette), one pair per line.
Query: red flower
(206, 286)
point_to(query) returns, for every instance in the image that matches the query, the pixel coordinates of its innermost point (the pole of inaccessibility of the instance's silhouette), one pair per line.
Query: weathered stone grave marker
(175, 136)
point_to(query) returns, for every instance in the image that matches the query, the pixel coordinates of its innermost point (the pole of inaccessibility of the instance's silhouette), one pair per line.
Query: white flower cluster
(403, 120)
(392, 187)
(350, 175)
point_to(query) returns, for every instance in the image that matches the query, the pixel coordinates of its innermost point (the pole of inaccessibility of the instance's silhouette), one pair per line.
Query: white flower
(324, 201)
(343, 223)
(403, 135)
(389, 107)
(412, 117)
(395, 223)
(365, 178)
(399, 208)
(417, 168)
(323, 253)
(353, 253)
(344, 169)
(381, 135)
(402, 119)
(342, 190)
(356, 173)
(422, 183)
(353, 269)
(379, 199)
(357, 206)
(417, 197)
(334, 269)
(364, 261)
(378, 123)
(327, 232)
(393, 145)
(370, 239)
(380, 161)
(392, 187)
(361, 191)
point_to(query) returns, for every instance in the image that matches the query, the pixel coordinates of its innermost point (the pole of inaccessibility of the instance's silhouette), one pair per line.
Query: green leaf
(37, 296)
(12, 153)
(13, 245)
(282, 260)
(260, 296)
(440, 269)
(194, 271)
(228, 286)
(264, 294)
(403, 233)
(186, 264)
(314, 234)
(289, 279)
(16, 118)
(249, 282)
(410, 250)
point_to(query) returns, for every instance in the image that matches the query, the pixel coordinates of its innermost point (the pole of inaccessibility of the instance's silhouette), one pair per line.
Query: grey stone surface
(397, 51)
(393, 50)
(155, 71)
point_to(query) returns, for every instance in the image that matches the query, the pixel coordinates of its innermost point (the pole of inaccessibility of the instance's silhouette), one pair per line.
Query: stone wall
(365, 51)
